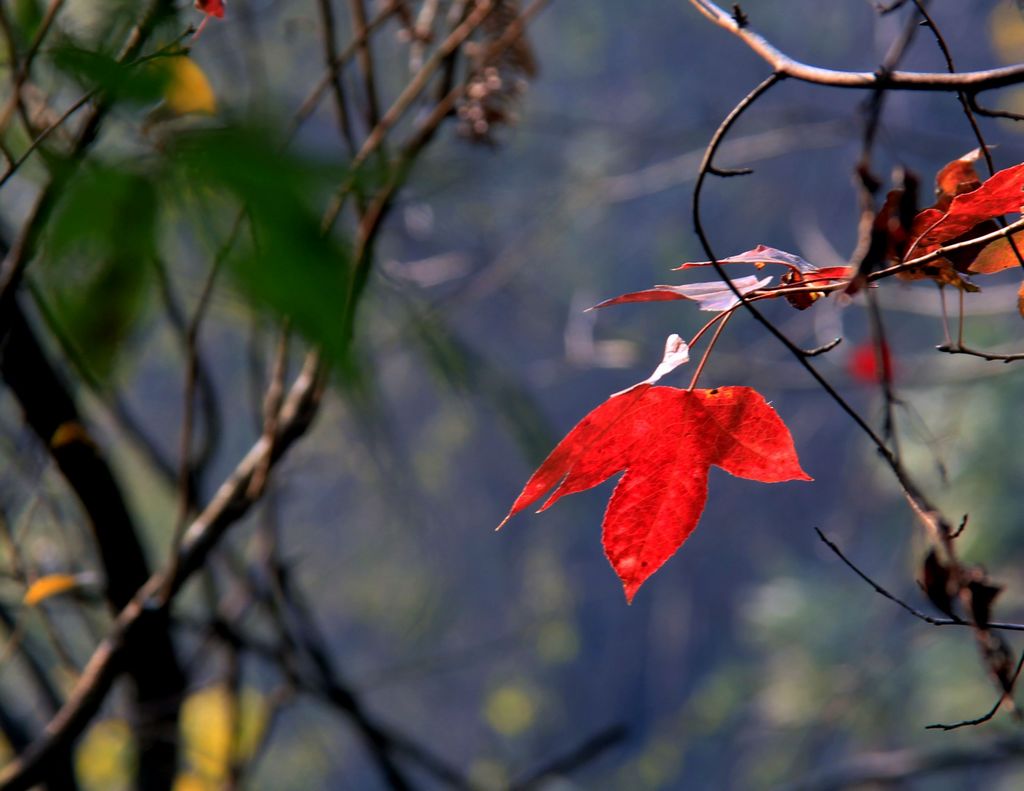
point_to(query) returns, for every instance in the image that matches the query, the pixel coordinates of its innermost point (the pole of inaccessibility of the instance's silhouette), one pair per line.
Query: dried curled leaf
(498, 75)
(677, 352)
(714, 296)
(49, 586)
(759, 257)
(935, 580)
(801, 300)
(801, 272)
(982, 595)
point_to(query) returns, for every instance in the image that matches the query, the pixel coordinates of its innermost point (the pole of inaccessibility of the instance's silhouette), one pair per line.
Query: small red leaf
(956, 178)
(828, 274)
(665, 440)
(211, 7)
(999, 195)
(714, 296)
(863, 364)
(760, 256)
(924, 222)
(801, 300)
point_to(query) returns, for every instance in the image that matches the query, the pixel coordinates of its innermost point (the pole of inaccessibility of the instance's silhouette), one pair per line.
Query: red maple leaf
(665, 439)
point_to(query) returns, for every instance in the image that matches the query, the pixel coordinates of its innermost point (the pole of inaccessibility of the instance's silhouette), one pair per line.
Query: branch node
(827, 347)
(726, 173)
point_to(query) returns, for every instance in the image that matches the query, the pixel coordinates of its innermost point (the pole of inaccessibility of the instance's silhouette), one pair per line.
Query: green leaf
(27, 16)
(138, 83)
(100, 249)
(106, 210)
(284, 262)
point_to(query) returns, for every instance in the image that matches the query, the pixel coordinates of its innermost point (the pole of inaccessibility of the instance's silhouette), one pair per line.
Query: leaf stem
(708, 326)
(714, 339)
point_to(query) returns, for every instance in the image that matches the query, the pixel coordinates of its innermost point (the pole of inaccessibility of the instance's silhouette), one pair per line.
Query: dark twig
(895, 5)
(963, 97)
(186, 469)
(335, 72)
(987, 715)
(316, 95)
(884, 371)
(1009, 627)
(883, 592)
(39, 139)
(956, 348)
(111, 398)
(359, 25)
(989, 113)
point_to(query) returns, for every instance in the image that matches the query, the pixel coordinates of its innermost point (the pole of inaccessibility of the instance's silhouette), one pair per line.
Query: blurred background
(753, 659)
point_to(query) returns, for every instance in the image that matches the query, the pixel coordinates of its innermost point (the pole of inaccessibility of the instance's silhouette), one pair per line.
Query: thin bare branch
(1003, 698)
(968, 81)
(366, 66)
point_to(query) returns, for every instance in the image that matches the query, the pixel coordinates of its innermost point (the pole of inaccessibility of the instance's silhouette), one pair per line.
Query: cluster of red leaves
(965, 208)
(666, 439)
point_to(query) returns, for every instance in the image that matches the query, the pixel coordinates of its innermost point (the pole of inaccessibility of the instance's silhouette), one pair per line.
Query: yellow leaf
(68, 432)
(1007, 29)
(211, 719)
(105, 756)
(186, 781)
(511, 709)
(188, 90)
(50, 585)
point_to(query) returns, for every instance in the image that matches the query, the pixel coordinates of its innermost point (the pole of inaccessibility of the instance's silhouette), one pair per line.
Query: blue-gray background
(753, 658)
